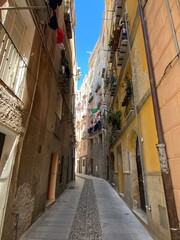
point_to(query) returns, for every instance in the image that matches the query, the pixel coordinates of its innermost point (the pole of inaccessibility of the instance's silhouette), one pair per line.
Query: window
(83, 162)
(16, 37)
(11, 64)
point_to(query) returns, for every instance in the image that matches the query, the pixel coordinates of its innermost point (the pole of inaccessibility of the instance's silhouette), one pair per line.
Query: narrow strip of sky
(89, 15)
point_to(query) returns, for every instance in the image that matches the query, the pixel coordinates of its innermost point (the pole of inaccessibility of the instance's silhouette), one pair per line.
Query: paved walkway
(89, 209)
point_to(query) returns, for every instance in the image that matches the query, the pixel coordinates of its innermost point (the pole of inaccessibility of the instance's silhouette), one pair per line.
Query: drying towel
(60, 35)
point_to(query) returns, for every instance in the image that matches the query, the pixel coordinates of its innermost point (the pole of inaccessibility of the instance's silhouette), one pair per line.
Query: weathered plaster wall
(30, 181)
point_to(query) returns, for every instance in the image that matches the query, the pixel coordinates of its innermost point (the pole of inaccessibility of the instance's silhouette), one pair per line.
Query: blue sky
(89, 16)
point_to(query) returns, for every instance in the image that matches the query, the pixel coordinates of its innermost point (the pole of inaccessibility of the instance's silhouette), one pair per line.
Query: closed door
(140, 177)
(53, 177)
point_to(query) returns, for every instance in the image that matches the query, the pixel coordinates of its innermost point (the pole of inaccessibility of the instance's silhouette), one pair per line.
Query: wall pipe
(161, 147)
(172, 27)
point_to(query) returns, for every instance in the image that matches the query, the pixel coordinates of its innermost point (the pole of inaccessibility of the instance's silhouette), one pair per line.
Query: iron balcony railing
(68, 18)
(95, 128)
(12, 65)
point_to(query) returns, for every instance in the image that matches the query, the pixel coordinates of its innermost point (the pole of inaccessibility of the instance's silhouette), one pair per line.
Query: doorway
(91, 162)
(83, 165)
(120, 170)
(8, 149)
(52, 178)
(140, 177)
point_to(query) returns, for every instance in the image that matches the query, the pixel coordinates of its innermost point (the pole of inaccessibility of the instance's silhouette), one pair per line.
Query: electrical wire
(168, 68)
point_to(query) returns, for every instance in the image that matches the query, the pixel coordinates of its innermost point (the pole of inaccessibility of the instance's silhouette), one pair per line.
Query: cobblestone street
(89, 209)
(86, 223)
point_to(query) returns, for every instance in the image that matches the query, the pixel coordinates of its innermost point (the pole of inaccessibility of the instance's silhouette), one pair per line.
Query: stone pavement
(89, 209)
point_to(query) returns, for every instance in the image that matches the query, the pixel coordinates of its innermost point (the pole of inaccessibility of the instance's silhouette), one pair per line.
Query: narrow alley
(89, 209)
(89, 119)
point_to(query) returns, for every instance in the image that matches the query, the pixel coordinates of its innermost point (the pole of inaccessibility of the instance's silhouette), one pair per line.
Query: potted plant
(128, 91)
(114, 119)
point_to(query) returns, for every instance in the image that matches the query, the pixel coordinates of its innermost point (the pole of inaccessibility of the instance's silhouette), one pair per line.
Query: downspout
(161, 147)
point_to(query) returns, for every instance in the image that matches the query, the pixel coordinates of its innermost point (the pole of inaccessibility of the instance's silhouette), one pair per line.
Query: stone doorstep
(141, 216)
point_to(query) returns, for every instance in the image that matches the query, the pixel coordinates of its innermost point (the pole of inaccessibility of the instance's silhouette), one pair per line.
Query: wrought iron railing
(12, 65)
(95, 129)
(68, 18)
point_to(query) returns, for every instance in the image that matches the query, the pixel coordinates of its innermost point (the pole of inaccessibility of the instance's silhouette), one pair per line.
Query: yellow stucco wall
(146, 114)
(149, 135)
(131, 7)
(149, 138)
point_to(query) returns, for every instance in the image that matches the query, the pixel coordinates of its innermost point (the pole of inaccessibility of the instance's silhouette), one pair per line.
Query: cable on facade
(168, 68)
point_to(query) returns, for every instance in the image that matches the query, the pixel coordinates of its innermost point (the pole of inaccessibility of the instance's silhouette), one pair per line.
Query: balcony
(68, 18)
(113, 85)
(111, 56)
(90, 97)
(118, 11)
(122, 46)
(129, 107)
(106, 81)
(128, 102)
(114, 122)
(63, 80)
(98, 87)
(103, 73)
(12, 65)
(95, 129)
(117, 32)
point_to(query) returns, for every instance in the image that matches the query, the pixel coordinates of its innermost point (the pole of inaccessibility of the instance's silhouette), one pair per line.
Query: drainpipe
(161, 147)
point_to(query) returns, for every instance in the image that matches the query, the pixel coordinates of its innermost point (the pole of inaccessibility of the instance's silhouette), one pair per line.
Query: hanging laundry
(59, 2)
(60, 35)
(53, 22)
(53, 4)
